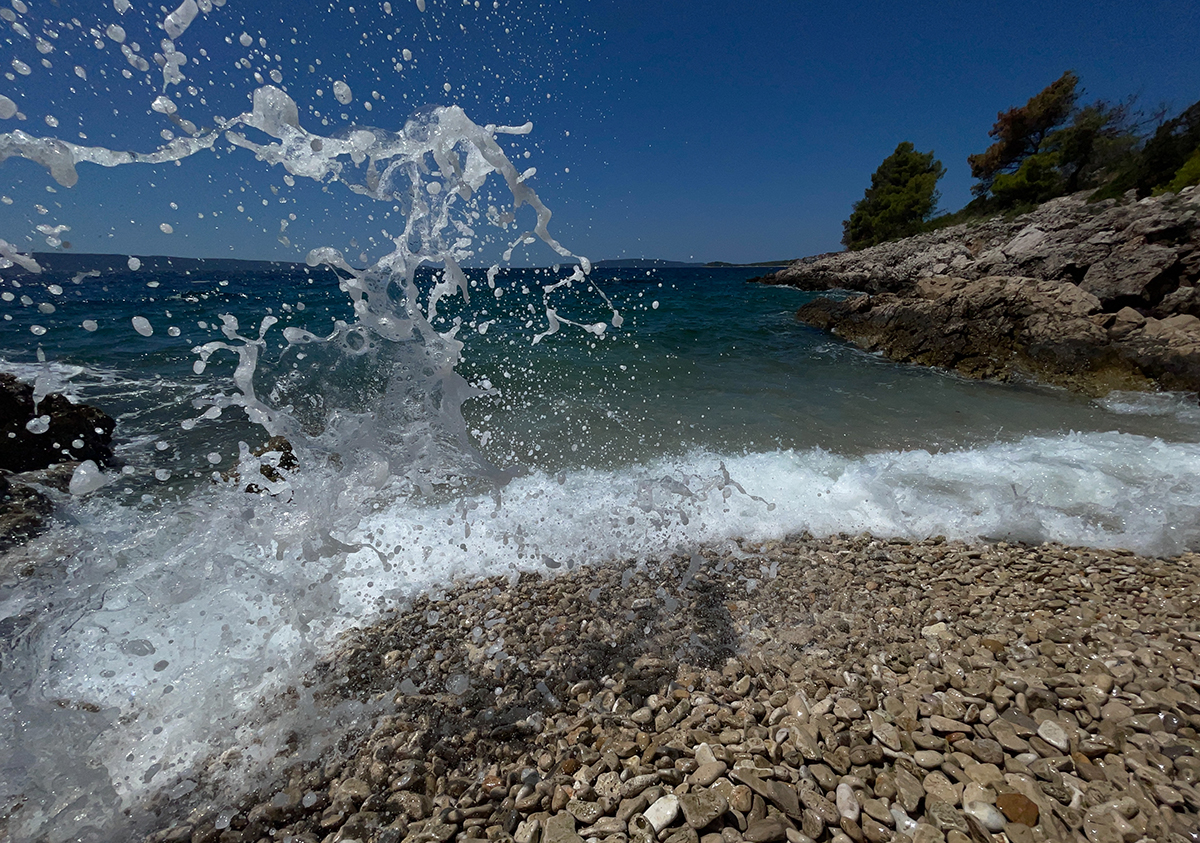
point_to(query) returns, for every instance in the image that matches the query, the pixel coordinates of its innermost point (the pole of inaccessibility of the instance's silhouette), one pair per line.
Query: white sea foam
(1179, 405)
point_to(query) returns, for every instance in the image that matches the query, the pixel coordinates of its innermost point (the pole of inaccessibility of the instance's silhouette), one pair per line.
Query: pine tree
(1020, 131)
(903, 194)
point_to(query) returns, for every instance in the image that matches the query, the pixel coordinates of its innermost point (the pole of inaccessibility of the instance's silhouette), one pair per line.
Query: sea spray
(147, 640)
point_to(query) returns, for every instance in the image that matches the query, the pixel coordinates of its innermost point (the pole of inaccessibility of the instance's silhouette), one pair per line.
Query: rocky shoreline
(841, 689)
(1092, 297)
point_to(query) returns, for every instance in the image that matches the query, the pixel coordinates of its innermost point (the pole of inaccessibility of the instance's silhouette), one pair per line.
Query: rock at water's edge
(1090, 297)
(23, 512)
(48, 440)
(54, 431)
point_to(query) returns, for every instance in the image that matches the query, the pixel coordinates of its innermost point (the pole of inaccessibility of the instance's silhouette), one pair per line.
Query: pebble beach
(834, 689)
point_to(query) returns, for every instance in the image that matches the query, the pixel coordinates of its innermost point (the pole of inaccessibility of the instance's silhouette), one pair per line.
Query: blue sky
(681, 130)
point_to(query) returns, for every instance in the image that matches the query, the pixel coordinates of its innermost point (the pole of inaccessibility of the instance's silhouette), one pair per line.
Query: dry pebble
(841, 689)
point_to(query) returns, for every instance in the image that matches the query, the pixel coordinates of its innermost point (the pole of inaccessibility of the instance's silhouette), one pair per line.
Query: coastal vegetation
(902, 196)
(1053, 145)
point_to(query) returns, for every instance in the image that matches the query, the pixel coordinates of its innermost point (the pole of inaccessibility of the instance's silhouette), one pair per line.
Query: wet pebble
(869, 688)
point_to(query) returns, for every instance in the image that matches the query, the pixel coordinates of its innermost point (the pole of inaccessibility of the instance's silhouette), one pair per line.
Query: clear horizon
(686, 132)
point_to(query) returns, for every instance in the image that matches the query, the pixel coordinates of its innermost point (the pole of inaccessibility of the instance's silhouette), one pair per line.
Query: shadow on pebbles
(842, 689)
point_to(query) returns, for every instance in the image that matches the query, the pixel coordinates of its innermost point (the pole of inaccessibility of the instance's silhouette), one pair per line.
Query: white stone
(987, 814)
(1053, 733)
(1026, 242)
(904, 823)
(847, 709)
(936, 630)
(704, 755)
(663, 812)
(847, 802)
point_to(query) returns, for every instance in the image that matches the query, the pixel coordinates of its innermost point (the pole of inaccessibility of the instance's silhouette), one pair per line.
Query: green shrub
(1188, 174)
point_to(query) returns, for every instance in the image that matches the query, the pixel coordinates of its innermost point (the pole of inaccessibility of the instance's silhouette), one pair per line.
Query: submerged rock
(276, 459)
(1090, 297)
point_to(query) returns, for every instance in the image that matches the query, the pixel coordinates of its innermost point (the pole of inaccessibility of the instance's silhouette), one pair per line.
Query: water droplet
(38, 425)
(87, 478)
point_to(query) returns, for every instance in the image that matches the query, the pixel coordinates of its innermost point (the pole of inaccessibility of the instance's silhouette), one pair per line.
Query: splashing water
(138, 647)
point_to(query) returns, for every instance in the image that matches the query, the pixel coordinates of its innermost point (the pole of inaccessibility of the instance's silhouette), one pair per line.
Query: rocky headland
(1092, 297)
(842, 689)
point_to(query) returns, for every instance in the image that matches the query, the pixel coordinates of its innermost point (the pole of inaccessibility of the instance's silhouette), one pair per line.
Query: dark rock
(21, 449)
(278, 458)
(23, 512)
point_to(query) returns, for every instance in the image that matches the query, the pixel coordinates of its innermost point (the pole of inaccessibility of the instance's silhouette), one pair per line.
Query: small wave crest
(1179, 405)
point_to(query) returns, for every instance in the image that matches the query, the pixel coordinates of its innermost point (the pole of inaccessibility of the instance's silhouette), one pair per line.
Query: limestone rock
(701, 807)
(1083, 296)
(560, 828)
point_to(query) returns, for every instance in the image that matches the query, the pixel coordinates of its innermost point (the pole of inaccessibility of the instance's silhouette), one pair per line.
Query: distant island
(73, 262)
(92, 262)
(659, 263)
